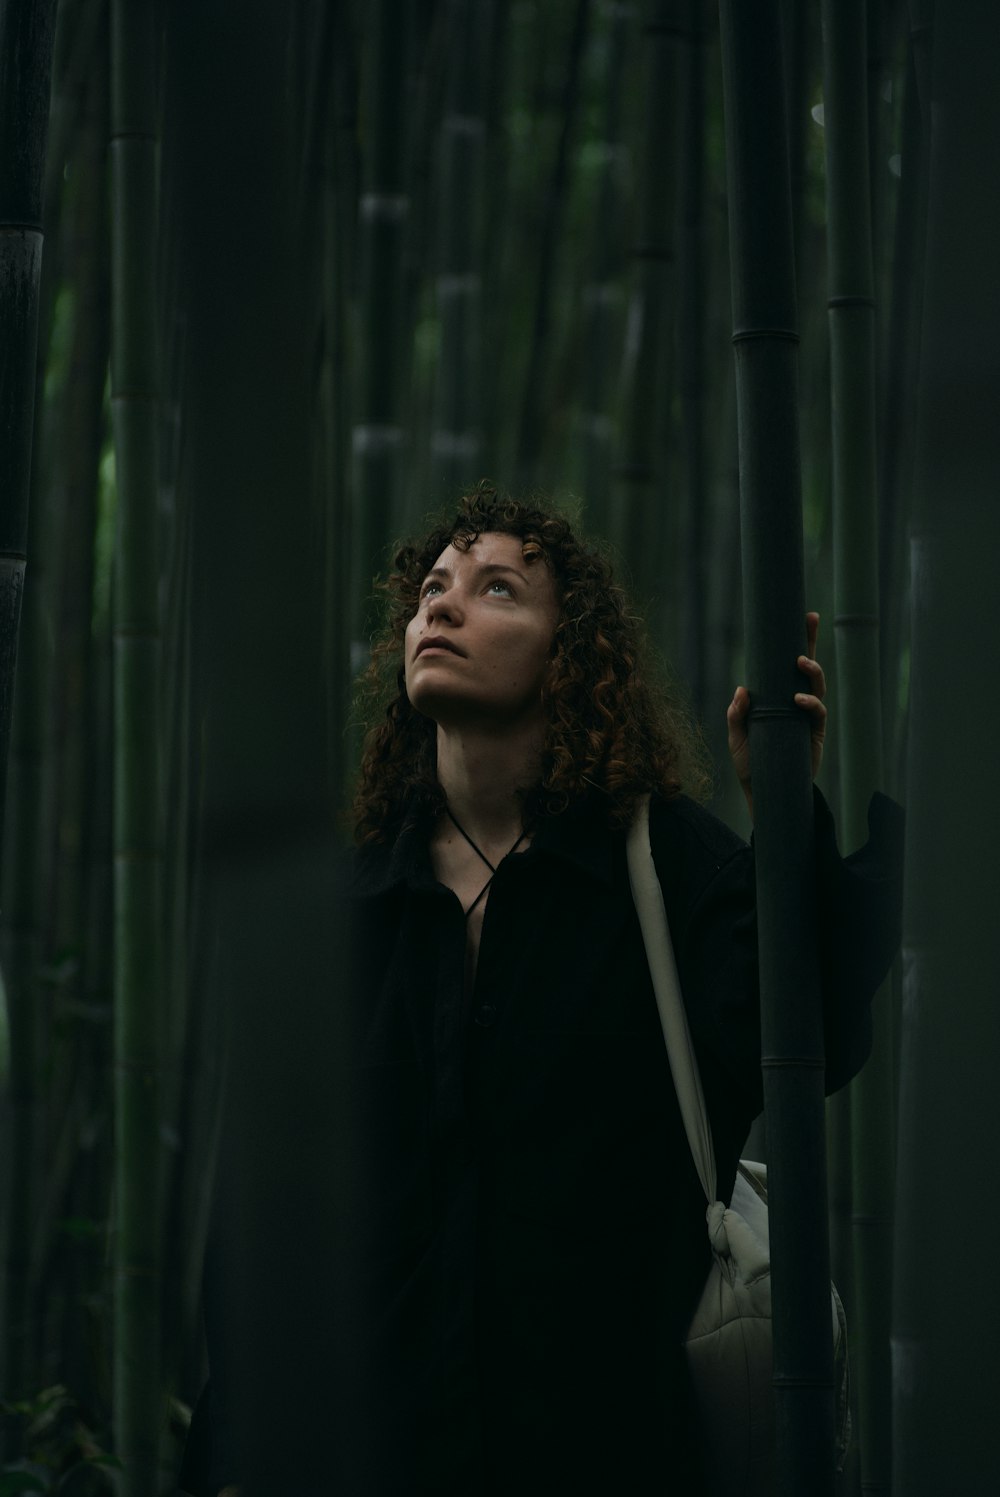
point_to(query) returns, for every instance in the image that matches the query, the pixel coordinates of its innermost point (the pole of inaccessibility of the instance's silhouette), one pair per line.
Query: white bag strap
(648, 897)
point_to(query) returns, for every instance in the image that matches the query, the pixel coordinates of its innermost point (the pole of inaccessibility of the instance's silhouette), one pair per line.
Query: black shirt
(527, 1230)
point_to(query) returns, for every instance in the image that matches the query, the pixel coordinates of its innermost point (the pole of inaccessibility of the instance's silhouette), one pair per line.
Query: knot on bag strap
(715, 1215)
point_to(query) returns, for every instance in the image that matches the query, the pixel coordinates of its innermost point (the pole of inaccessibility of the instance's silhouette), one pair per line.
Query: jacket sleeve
(860, 925)
(714, 925)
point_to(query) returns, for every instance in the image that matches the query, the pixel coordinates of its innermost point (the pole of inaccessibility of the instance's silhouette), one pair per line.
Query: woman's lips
(437, 642)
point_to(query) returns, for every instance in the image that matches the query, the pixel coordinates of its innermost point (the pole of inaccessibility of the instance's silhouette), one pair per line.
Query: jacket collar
(580, 835)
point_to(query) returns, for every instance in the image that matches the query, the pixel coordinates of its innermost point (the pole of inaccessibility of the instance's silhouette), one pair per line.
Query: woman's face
(479, 645)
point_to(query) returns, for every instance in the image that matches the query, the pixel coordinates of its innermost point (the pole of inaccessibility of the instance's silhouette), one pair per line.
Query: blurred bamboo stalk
(532, 404)
(641, 497)
(383, 217)
(869, 1120)
(457, 435)
(602, 310)
(944, 1384)
(696, 623)
(137, 809)
(766, 351)
(899, 419)
(26, 35)
(26, 44)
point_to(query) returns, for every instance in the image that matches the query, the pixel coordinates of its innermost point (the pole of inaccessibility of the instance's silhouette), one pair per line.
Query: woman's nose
(444, 605)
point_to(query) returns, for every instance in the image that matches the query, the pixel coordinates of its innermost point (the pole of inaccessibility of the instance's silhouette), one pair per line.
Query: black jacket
(525, 1238)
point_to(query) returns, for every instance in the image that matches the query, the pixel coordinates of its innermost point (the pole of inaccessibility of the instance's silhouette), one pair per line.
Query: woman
(528, 1231)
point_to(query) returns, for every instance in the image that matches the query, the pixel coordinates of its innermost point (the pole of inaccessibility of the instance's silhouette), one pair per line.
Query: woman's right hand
(811, 702)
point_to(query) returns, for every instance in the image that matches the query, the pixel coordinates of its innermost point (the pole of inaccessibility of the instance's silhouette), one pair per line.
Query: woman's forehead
(493, 548)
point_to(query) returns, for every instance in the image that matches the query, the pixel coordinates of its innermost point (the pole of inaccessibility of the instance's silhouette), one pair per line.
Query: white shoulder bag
(729, 1344)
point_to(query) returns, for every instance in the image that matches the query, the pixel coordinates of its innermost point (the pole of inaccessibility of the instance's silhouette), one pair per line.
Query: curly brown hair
(613, 729)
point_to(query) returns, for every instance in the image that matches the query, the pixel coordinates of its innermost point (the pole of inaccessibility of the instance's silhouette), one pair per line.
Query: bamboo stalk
(137, 832)
(383, 213)
(765, 340)
(26, 43)
(696, 622)
(641, 511)
(603, 300)
(944, 1382)
(532, 402)
(456, 440)
(338, 198)
(898, 418)
(26, 34)
(852, 347)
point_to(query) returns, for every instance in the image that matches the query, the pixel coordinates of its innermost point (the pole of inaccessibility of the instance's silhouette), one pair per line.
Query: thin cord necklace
(479, 852)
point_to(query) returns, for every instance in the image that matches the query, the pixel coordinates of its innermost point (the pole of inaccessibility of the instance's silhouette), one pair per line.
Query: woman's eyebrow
(484, 569)
(489, 567)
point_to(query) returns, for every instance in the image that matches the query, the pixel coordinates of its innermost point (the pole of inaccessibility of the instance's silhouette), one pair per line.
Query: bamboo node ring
(780, 334)
(784, 1381)
(783, 1062)
(855, 621)
(758, 714)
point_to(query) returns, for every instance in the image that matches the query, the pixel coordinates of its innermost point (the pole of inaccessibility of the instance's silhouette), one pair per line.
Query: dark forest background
(309, 272)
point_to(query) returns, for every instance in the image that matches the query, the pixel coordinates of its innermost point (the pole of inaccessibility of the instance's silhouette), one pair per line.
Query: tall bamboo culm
(457, 438)
(641, 491)
(26, 38)
(383, 215)
(26, 32)
(766, 350)
(136, 635)
(868, 1115)
(944, 1370)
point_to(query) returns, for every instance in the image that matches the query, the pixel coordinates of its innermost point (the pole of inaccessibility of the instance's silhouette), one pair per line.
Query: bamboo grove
(308, 271)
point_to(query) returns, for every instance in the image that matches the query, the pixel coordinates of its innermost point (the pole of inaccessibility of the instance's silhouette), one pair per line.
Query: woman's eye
(429, 588)
(502, 588)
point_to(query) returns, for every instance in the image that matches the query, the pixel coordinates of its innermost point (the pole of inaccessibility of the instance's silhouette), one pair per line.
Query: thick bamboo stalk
(26, 32)
(456, 440)
(26, 40)
(898, 420)
(765, 341)
(641, 508)
(852, 349)
(247, 304)
(532, 396)
(137, 832)
(944, 1374)
(77, 461)
(797, 40)
(602, 311)
(382, 232)
(696, 622)
(338, 198)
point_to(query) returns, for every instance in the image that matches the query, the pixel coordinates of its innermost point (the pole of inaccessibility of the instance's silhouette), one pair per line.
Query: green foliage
(59, 1451)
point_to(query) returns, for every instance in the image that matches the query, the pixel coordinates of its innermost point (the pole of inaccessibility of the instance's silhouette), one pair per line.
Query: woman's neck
(484, 776)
